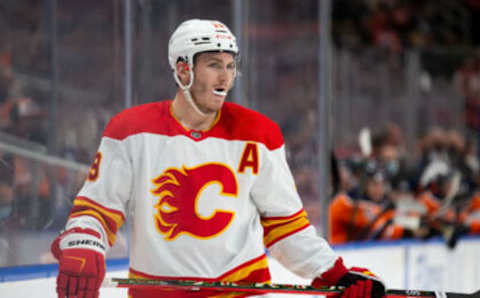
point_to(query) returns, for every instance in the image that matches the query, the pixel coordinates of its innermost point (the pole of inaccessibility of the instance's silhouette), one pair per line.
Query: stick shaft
(264, 288)
(218, 286)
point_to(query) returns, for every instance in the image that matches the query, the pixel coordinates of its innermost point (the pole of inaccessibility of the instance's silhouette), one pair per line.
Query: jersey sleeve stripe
(110, 219)
(92, 203)
(275, 237)
(280, 230)
(269, 221)
(111, 237)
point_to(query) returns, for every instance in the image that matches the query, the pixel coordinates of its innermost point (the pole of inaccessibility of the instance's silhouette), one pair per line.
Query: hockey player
(206, 183)
(470, 215)
(368, 215)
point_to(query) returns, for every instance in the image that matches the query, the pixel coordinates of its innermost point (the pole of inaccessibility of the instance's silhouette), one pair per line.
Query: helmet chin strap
(187, 93)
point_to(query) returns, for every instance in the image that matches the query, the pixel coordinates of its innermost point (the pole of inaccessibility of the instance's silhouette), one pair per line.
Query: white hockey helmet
(196, 36)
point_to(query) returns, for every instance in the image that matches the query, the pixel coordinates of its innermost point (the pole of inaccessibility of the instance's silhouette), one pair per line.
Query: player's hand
(358, 282)
(81, 263)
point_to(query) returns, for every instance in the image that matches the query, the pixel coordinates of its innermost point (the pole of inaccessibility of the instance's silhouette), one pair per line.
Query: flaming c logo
(178, 191)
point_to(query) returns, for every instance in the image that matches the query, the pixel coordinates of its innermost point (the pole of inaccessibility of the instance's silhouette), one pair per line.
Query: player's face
(375, 189)
(214, 74)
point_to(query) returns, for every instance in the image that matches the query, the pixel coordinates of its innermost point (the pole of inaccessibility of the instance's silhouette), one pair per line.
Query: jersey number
(95, 168)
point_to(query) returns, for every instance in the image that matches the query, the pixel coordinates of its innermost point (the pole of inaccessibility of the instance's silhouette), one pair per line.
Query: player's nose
(222, 75)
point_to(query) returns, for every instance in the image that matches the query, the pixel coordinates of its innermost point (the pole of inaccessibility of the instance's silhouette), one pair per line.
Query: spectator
(470, 215)
(6, 190)
(440, 185)
(368, 217)
(32, 194)
(409, 212)
(5, 85)
(26, 120)
(388, 151)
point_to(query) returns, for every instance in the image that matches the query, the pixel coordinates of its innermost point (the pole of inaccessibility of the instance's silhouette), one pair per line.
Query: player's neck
(188, 117)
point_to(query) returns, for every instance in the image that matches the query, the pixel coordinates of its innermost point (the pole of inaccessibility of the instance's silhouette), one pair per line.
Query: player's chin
(212, 107)
(216, 102)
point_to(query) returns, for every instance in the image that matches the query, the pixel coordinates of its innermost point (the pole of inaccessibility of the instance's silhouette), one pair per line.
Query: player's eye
(215, 65)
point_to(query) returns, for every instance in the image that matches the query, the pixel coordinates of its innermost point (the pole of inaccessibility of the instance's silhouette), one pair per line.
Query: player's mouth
(220, 91)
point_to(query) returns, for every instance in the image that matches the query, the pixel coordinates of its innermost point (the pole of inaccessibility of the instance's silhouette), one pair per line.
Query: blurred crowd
(391, 192)
(399, 24)
(387, 192)
(33, 195)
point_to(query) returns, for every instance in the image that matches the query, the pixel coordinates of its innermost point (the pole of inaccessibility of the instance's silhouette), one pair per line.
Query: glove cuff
(82, 240)
(78, 238)
(334, 274)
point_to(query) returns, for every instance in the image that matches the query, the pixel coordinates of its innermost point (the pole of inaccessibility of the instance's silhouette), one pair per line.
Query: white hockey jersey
(204, 204)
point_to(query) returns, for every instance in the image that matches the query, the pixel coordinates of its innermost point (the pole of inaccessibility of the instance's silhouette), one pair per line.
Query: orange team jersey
(433, 205)
(351, 220)
(204, 204)
(470, 216)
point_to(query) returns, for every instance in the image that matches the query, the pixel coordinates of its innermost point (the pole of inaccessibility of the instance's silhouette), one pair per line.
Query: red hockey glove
(81, 263)
(358, 282)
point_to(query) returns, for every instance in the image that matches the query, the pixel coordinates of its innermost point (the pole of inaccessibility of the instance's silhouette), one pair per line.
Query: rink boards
(405, 264)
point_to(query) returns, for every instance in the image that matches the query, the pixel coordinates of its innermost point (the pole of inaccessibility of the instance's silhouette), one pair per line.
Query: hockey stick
(450, 196)
(264, 288)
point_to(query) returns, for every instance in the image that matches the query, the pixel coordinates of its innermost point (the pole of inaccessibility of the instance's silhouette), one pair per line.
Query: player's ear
(183, 71)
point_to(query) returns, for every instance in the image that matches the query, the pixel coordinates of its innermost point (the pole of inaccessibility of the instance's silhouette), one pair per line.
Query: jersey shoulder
(246, 124)
(149, 117)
